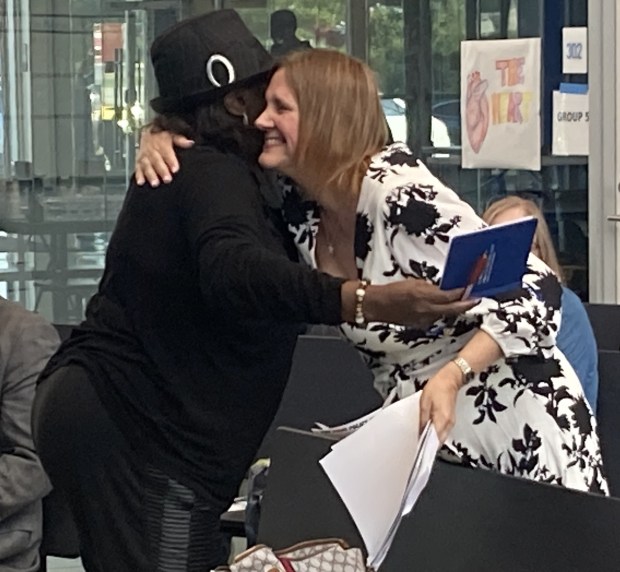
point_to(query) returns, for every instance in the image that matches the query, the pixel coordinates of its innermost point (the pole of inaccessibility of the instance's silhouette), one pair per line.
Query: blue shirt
(576, 341)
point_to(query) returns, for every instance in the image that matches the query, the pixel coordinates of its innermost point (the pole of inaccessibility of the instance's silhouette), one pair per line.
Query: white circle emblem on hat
(219, 58)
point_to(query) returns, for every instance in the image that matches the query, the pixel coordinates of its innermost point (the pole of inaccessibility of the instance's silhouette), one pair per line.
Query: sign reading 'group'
(571, 117)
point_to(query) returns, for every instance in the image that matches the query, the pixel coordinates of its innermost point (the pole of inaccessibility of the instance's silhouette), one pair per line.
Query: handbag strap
(286, 564)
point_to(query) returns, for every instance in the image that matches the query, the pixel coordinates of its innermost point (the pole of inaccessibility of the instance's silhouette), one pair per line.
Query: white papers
(239, 504)
(380, 470)
(344, 430)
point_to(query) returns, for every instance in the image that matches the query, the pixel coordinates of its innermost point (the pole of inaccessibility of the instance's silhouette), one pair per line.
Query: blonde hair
(542, 236)
(341, 121)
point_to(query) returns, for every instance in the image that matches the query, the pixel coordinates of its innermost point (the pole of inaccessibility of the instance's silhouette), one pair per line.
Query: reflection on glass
(319, 24)
(394, 109)
(70, 159)
(498, 19)
(283, 28)
(386, 47)
(386, 56)
(68, 162)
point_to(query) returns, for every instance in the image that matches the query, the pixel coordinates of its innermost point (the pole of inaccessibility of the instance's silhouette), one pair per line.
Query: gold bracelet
(360, 292)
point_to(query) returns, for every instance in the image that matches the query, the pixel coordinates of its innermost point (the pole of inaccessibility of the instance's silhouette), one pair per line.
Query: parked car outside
(449, 111)
(394, 109)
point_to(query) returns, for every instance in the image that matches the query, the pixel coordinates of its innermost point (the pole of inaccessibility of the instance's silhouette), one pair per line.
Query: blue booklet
(490, 260)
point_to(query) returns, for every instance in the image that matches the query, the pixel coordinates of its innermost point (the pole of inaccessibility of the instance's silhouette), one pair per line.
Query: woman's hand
(438, 401)
(156, 159)
(412, 302)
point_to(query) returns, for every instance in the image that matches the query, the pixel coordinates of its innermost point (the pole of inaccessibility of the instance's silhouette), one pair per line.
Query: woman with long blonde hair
(575, 338)
(497, 389)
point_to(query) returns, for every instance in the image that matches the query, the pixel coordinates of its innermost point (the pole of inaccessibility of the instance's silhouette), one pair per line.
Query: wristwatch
(466, 370)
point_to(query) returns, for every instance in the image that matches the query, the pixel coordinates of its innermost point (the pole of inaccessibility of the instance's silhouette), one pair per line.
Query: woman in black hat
(149, 416)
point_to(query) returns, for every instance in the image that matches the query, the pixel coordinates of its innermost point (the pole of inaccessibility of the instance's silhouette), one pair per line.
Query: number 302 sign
(575, 50)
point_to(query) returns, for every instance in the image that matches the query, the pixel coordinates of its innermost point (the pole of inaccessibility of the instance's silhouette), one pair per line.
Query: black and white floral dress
(524, 415)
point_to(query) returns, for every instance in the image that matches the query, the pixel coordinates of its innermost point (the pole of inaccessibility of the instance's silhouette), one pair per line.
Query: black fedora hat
(202, 58)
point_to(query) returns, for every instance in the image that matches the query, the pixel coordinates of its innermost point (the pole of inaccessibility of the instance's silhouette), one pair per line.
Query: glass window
(75, 85)
(282, 26)
(560, 188)
(70, 116)
(386, 47)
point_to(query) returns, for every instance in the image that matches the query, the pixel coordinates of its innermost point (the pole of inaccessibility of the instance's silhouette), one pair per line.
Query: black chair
(465, 519)
(328, 383)
(605, 320)
(608, 415)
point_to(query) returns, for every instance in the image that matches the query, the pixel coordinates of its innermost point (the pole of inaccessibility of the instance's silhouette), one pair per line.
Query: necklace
(330, 245)
(325, 221)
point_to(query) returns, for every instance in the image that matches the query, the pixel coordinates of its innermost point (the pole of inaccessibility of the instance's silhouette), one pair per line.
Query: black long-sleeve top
(190, 337)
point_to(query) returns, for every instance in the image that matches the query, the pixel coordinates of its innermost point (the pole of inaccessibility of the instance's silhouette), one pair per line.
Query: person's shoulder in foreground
(576, 341)
(27, 341)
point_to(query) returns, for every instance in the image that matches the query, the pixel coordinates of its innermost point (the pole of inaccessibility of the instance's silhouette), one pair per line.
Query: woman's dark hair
(212, 124)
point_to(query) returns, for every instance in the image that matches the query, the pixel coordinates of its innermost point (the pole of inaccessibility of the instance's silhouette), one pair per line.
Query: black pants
(130, 516)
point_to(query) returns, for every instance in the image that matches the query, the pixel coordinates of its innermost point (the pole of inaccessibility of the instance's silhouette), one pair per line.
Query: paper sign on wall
(574, 50)
(571, 116)
(500, 104)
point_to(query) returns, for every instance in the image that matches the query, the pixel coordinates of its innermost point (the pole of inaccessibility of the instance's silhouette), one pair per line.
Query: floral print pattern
(526, 414)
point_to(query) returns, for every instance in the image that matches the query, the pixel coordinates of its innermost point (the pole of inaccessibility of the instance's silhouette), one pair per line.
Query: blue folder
(491, 260)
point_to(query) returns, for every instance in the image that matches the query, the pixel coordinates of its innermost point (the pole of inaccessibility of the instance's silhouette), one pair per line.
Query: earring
(246, 120)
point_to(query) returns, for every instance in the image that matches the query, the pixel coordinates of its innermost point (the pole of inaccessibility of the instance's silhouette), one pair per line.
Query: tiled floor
(64, 565)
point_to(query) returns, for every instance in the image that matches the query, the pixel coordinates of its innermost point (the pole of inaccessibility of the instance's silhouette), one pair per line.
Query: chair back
(608, 415)
(605, 320)
(328, 383)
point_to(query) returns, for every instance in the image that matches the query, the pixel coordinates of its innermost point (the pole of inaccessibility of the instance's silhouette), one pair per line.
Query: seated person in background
(283, 25)
(575, 338)
(26, 344)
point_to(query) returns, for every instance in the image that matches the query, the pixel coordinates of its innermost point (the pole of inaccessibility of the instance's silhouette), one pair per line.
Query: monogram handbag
(325, 555)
